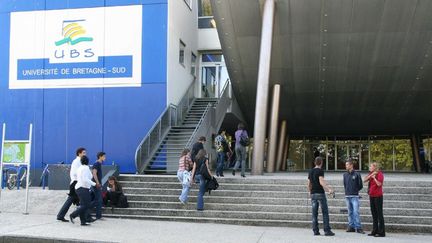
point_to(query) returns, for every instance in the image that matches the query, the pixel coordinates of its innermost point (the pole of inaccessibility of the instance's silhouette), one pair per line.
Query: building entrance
(213, 75)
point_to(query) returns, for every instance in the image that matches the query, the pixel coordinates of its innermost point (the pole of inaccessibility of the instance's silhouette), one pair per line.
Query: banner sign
(76, 48)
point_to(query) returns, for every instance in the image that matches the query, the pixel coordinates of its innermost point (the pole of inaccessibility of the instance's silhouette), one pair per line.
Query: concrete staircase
(165, 160)
(270, 202)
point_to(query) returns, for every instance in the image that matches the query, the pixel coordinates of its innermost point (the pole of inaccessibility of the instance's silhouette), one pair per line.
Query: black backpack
(212, 184)
(244, 140)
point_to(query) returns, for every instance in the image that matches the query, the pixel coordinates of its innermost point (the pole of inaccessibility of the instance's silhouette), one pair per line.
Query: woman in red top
(376, 180)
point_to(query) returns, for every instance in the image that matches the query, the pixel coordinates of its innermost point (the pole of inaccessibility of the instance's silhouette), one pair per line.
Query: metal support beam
(281, 145)
(274, 123)
(263, 87)
(285, 154)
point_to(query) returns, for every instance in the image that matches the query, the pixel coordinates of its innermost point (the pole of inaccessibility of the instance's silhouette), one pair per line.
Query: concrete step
(340, 202)
(265, 215)
(418, 228)
(271, 187)
(241, 193)
(273, 208)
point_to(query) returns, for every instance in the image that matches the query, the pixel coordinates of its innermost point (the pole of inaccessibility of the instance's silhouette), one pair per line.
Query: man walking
(97, 178)
(316, 186)
(221, 149)
(197, 147)
(73, 197)
(352, 184)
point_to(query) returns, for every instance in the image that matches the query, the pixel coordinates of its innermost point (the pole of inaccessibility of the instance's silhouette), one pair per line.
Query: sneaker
(349, 229)
(360, 231)
(372, 234)
(63, 220)
(330, 233)
(71, 219)
(85, 224)
(317, 233)
(233, 173)
(182, 202)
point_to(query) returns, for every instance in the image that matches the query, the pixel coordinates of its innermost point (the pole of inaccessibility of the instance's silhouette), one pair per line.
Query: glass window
(204, 8)
(193, 64)
(403, 155)
(181, 52)
(382, 152)
(365, 156)
(211, 57)
(295, 155)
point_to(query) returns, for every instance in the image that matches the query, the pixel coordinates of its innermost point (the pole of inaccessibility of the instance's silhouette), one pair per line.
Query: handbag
(186, 178)
(204, 171)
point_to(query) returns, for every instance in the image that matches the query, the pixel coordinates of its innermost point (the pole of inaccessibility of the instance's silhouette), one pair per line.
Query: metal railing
(205, 123)
(171, 116)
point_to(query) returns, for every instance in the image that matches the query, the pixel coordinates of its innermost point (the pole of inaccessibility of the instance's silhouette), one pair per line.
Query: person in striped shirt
(184, 175)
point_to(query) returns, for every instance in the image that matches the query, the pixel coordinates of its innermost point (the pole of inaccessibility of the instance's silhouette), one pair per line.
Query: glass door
(214, 75)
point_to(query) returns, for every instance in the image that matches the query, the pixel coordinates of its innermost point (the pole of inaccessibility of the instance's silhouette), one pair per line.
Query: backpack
(211, 184)
(122, 202)
(203, 171)
(244, 140)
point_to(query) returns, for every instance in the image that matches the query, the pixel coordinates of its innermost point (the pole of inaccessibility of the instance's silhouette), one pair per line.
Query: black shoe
(63, 220)
(85, 224)
(71, 219)
(233, 173)
(330, 233)
(379, 235)
(221, 175)
(360, 231)
(317, 233)
(349, 229)
(90, 220)
(243, 176)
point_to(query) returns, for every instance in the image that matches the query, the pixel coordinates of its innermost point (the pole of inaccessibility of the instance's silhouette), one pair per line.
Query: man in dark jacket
(353, 184)
(197, 147)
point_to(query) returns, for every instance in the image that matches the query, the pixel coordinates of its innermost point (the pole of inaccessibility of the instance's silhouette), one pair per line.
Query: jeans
(97, 201)
(185, 190)
(320, 198)
(220, 163)
(353, 205)
(84, 196)
(202, 183)
(241, 157)
(376, 205)
(61, 214)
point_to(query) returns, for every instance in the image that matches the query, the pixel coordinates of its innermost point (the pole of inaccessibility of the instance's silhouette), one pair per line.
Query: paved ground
(44, 204)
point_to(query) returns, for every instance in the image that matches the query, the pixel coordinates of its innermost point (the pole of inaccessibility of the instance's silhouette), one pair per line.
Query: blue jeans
(185, 190)
(200, 201)
(81, 211)
(353, 205)
(220, 163)
(97, 201)
(241, 157)
(320, 198)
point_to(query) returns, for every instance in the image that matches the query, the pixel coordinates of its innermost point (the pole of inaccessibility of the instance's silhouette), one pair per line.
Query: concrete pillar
(263, 87)
(274, 123)
(285, 155)
(281, 145)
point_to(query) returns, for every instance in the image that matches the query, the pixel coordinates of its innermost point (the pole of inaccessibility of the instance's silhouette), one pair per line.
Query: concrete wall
(182, 24)
(208, 39)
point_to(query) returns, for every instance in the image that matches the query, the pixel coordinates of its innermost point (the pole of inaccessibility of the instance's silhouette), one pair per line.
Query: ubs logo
(73, 33)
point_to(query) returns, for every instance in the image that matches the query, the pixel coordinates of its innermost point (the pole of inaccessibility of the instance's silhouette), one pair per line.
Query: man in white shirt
(72, 198)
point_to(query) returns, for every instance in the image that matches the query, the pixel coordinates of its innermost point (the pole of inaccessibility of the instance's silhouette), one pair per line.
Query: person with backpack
(201, 173)
(184, 174)
(242, 141)
(221, 148)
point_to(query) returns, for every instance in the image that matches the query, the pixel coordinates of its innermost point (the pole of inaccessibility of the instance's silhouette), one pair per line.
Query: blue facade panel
(113, 120)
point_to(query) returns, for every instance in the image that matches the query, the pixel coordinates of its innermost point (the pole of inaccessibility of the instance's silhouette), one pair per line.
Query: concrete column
(271, 157)
(285, 156)
(263, 87)
(281, 145)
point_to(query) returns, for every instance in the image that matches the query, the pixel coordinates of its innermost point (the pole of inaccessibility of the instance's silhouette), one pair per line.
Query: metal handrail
(171, 116)
(222, 104)
(195, 132)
